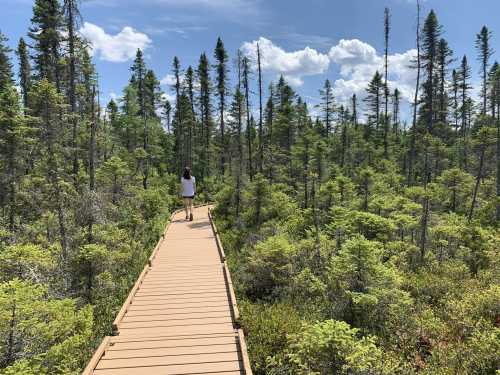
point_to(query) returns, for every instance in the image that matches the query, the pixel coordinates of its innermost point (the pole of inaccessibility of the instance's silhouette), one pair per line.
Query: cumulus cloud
(115, 48)
(358, 61)
(293, 65)
(169, 80)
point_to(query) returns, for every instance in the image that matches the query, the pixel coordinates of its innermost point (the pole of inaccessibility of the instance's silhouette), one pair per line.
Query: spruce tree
(354, 103)
(387, 26)
(261, 134)
(431, 34)
(413, 131)
(179, 126)
(6, 75)
(205, 110)
(24, 71)
(46, 35)
(221, 69)
(444, 58)
(327, 106)
(396, 100)
(375, 92)
(483, 46)
(71, 17)
(245, 67)
(167, 112)
(464, 75)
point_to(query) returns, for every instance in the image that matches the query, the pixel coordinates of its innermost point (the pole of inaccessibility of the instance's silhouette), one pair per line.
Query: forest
(359, 242)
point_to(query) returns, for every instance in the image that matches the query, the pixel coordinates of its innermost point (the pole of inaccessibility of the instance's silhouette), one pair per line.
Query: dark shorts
(192, 196)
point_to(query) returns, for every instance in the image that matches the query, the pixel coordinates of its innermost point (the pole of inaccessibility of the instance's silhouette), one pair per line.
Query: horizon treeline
(358, 246)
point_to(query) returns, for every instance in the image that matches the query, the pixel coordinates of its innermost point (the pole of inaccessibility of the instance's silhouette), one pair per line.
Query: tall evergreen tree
(431, 34)
(221, 68)
(375, 92)
(261, 141)
(6, 74)
(139, 76)
(444, 58)
(24, 71)
(396, 100)
(327, 105)
(464, 74)
(46, 34)
(71, 17)
(245, 66)
(483, 46)
(179, 126)
(354, 101)
(413, 131)
(204, 100)
(387, 27)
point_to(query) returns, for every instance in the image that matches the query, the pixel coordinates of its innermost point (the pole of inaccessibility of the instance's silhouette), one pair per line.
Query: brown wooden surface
(181, 316)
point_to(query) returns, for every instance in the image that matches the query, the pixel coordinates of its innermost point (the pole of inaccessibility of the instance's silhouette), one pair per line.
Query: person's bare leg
(191, 209)
(186, 206)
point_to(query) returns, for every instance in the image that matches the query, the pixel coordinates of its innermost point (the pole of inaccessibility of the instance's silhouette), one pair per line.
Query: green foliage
(331, 347)
(51, 335)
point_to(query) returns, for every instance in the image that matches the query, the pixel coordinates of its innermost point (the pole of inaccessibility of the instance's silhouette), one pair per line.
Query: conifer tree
(48, 103)
(245, 66)
(431, 34)
(413, 131)
(443, 60)
(464, 74)
(6, 74)
(327, 105)
(483, 46)
(221, 58)
(237, 112)
(204, 100)
(261, 141)
(396, 99)
(139, 76)
(167, 111)
(354, 101)
(24, 71)
(387, 27)
(454, 93)
(179, 126)
(45, 32)
(71, 16)
(189, 82)
(375, 92)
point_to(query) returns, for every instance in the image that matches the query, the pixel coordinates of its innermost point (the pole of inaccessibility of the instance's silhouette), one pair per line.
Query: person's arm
(194, 186)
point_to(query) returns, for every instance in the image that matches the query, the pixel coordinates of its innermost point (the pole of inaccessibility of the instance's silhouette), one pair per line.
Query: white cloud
(169, 80)
(358, 62)
(115, 48)
(293, 65)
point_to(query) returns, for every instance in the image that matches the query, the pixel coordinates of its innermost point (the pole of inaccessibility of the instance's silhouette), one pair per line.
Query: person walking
(188, 188)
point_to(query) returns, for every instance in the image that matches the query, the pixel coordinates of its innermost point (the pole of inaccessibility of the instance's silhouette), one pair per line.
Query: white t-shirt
(188, 186)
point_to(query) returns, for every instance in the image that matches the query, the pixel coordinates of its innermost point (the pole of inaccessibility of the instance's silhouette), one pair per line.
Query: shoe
(187, 217)
(191, 217)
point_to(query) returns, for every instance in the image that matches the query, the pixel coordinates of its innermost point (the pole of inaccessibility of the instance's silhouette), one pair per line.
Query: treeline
(360, 245)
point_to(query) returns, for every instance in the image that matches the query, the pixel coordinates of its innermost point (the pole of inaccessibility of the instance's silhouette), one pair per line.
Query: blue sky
(307, 41)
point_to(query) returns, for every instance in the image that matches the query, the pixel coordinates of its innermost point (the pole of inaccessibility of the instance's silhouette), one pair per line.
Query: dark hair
(187, 173)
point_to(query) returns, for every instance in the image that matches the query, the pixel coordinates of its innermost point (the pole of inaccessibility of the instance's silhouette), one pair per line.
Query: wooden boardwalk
(181, 315)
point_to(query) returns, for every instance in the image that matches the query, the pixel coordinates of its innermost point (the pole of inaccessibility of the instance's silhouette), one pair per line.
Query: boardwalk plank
(180, 319)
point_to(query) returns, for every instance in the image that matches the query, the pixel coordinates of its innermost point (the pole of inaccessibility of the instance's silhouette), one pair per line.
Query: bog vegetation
(359, 243)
